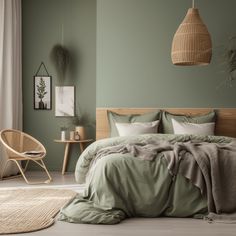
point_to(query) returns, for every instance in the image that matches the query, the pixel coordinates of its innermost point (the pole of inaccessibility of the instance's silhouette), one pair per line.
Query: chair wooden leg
(8, 177)
(26, 165)
(12, 176)
(46, 170)
(22, 171)
(42, 165)
(4, 168)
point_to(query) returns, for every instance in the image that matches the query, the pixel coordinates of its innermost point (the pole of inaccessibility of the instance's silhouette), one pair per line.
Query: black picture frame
(43, 92)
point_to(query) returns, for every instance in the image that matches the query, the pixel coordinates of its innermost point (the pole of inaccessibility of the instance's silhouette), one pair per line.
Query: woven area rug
(26, 210)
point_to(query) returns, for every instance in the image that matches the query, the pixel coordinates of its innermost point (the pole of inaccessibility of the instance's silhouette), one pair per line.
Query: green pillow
(167, 126)
(118, 118)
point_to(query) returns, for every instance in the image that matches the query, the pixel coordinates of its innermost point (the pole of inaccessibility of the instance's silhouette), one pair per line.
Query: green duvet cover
(119, 186)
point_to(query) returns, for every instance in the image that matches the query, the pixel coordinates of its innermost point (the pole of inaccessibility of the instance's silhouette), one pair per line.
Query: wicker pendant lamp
(192, 42)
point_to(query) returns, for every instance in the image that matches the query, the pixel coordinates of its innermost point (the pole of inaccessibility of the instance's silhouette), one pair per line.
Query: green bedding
(121, 185)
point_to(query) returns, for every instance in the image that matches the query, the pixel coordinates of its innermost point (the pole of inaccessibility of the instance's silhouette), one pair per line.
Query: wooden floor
(58, 179)
(130, 227)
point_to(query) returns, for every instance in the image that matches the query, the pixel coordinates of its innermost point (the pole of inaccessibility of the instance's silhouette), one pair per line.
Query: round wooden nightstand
(67, 147)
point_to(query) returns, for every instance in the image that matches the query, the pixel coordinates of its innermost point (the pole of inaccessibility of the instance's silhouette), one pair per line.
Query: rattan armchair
(20, 147)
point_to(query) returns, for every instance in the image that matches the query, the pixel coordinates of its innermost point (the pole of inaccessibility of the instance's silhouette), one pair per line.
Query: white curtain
(10, 71)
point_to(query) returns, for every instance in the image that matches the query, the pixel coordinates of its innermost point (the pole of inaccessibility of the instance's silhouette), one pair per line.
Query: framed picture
(65, 101)
(42, 92)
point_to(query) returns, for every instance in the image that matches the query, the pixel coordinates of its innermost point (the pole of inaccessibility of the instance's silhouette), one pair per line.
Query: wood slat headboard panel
(225, 124)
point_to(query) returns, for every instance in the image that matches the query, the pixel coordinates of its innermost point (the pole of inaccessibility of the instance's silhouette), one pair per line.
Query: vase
(63, 135)
(81, 131)
(77, 137)
(41, 105)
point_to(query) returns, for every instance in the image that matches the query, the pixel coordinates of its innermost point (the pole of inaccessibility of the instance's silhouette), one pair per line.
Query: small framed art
(42, 92)
(65, 101)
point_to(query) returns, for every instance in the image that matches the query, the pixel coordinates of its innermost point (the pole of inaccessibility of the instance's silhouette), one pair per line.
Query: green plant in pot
(63, 128)
(41, 92)
(79, 123)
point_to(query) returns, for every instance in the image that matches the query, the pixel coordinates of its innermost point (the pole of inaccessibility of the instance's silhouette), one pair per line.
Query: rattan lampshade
(192, 42)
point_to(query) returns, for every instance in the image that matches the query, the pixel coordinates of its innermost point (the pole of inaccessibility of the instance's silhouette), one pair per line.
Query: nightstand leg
(65, 158)
(81, 147)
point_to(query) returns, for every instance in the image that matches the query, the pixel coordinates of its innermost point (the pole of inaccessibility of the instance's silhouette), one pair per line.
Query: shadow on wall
(66, 62)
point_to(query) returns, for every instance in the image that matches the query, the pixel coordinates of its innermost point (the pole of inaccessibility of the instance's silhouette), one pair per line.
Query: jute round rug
(26, 210)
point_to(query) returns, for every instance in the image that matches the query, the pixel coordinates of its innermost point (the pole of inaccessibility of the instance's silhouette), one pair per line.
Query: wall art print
(42, 92)
(65, 101)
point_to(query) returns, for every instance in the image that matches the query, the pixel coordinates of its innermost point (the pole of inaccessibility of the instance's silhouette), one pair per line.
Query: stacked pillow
(134, 121)
(125, 125)
(125, 129)
(192, 128)
(167, 125)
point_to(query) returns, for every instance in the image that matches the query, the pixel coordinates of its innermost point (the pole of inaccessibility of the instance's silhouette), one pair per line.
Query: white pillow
(127, 129)
(192, 128)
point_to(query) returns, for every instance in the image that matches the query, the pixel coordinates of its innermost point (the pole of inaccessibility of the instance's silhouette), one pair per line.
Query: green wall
(134, 66)
(41, 24)
(124, 59)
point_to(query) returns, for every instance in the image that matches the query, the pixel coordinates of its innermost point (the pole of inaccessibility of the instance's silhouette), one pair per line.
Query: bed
(156, 174)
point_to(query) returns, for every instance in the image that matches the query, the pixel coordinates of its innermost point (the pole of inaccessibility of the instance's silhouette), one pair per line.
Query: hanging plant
(229, 59)
(61, 59)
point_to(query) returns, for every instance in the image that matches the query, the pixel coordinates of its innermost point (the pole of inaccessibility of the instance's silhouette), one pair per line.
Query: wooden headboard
(225, 124)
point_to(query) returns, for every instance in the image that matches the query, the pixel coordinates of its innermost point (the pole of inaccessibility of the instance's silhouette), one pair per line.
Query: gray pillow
(118, 118)
(166, 120)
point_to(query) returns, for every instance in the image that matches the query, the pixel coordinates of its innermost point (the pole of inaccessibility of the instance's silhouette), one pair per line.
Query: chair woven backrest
(20, 142)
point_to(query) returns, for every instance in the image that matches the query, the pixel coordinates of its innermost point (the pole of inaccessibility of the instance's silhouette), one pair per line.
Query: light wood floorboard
(129, 227)
(58, 179)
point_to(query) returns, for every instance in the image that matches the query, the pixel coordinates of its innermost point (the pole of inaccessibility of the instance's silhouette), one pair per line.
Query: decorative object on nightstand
(72, 135)
(67, 143)
(81, 132)
(77, 137)
(63, 135)
(192, 42)
(63, 132)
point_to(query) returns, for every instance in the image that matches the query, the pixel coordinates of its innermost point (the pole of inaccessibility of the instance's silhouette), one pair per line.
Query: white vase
(63, 135)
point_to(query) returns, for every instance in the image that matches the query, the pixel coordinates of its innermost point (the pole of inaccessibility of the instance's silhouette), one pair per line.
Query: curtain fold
(10, 71)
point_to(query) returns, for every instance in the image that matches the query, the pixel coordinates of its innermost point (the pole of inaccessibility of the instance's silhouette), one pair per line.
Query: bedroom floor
(131, 227)
(141, 227)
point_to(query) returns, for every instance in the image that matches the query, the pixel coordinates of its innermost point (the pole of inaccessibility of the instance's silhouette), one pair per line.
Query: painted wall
(42, 21)
(134, 66)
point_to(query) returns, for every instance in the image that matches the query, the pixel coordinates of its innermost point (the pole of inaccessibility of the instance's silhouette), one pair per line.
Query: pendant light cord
(193, 5)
